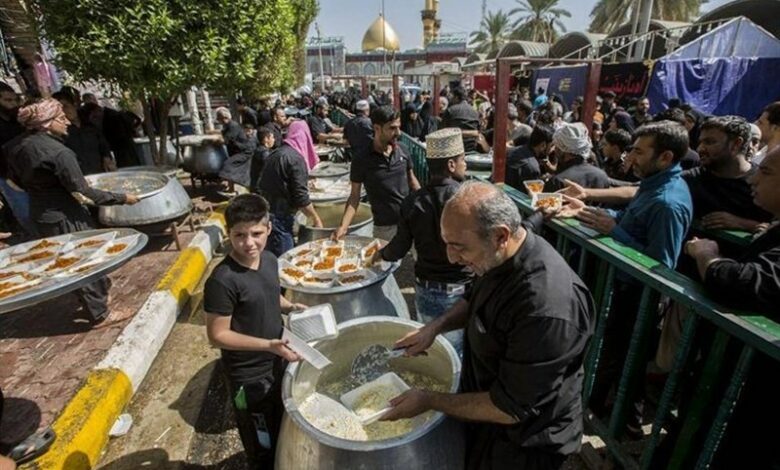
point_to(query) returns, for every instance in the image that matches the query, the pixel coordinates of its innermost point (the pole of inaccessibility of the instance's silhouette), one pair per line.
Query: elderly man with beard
(528, 318)
(572, 149)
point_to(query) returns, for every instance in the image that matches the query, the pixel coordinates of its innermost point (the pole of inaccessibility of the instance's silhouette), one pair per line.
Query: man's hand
(339, 233)
(407, 405)
(573, 190)
(570, 208)
(7, 464)
(597, 219)
(725, 221)
(131, 199)
(700, 247)
(417, 341)
(279, 347)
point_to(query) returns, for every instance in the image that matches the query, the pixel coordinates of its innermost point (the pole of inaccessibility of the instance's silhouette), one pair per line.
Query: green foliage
(159, 48)
(607, 15)
(306, 11)
(539, 21)
(493, 32)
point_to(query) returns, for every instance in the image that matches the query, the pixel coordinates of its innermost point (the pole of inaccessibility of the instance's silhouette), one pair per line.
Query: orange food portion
(334, 251)
(7, 285)
(303, 252)
(6, 275)
(44, 244)
(535, 187)
(315, 279)
(324, 265)
(10, 292)
(36, 256)
(86, 267)
(353, 279)
(119, 247)
(549, 203)
(346, 268)
(371, 251)
(293, 273)
(63, 262)
(303, 263)
(90, 243)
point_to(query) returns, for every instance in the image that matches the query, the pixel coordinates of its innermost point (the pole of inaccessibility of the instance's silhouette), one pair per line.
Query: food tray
(314, 323)
(352, 246)
(329, 170)
(389, 380)
(534, 186)
(35, 282)
(552, 201)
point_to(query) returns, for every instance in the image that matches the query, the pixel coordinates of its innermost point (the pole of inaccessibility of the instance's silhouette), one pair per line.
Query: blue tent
(733, 69)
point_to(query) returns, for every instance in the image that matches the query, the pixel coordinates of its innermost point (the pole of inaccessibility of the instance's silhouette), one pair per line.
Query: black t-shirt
(521, 165)
(360, 135)
(711, 193)
(386, 182)
(690, 160)
(317, 126)
(529, 323)
(464, 117)
(584, 174)
(251, 299)
(90, 147)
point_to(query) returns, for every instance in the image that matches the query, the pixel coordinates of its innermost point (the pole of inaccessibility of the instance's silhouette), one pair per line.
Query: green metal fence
(750, 333)
(600, 260)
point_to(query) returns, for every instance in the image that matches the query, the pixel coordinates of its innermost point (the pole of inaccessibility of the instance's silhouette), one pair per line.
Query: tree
(157, 49)
(608, 15)
(493, 33)
(307, 10)
(540, 20)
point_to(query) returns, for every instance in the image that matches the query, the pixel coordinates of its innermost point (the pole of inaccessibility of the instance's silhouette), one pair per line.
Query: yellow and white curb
(82, 427)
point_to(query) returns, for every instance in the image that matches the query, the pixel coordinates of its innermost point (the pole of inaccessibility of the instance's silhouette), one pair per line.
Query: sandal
(33, 447)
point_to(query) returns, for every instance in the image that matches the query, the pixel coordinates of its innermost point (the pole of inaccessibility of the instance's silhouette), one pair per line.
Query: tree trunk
(163, 107)
(149, 129)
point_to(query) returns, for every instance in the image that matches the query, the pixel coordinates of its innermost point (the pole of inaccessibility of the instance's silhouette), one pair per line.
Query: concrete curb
(82, 428)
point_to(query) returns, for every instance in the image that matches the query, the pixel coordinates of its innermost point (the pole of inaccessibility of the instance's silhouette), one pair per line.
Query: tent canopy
(730, 70)
(739, 37)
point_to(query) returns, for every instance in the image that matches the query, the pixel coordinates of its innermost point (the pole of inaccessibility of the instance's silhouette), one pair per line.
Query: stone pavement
(45, 354)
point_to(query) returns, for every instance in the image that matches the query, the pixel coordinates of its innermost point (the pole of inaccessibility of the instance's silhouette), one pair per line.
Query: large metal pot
(145, 152)
(331, 213)
(168, 204)
(437, 443)
(169, 171)
(201, 155)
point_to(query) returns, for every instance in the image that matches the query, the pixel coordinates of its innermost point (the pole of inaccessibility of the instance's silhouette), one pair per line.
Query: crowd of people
(485, 277)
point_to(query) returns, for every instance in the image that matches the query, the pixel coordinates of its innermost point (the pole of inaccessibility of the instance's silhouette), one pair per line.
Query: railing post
(503, 69)
(594, 350)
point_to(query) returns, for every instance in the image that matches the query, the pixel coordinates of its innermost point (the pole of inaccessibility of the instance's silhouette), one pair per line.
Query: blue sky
(350, 18)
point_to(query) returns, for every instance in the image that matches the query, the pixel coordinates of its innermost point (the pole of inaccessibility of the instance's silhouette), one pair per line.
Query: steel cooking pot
(170, 202)
(436, 443)
(145, 152)
(330, 213)
(201, 155)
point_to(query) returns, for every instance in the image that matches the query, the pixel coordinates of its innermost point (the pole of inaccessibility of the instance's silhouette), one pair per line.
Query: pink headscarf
(39, 116)
(299, 138)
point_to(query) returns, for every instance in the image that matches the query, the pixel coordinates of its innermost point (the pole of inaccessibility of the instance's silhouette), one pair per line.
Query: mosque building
(381, 52)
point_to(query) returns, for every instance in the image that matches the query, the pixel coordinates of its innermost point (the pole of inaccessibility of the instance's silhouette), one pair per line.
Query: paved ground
(45, 354)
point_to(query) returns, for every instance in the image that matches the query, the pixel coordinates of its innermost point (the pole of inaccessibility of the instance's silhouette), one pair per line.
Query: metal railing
(750, 333)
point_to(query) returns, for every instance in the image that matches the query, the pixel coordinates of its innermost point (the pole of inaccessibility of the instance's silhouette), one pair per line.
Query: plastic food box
(314, 323)
(389, 380)
(552, 201)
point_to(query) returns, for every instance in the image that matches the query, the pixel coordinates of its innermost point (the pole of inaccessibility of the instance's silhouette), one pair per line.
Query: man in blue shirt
(654, 223)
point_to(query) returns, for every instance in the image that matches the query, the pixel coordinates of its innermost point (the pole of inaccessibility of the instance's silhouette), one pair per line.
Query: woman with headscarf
(284, 183)
(622, 120)
(49, 171)
(411, 122)
(429, 121)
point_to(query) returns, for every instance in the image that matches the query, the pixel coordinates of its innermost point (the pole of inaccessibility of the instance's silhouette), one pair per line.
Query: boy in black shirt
(243, 317)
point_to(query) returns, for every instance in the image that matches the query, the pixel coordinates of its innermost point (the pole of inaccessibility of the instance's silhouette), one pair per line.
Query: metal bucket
(331, 213)
(437, 443)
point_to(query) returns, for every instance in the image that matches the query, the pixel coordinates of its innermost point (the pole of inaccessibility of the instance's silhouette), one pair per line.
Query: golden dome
(376, 39)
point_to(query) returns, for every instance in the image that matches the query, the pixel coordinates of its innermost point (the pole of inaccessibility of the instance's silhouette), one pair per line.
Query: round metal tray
(349, 241)
(329, 170)
(56, 286)
(122, 182)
